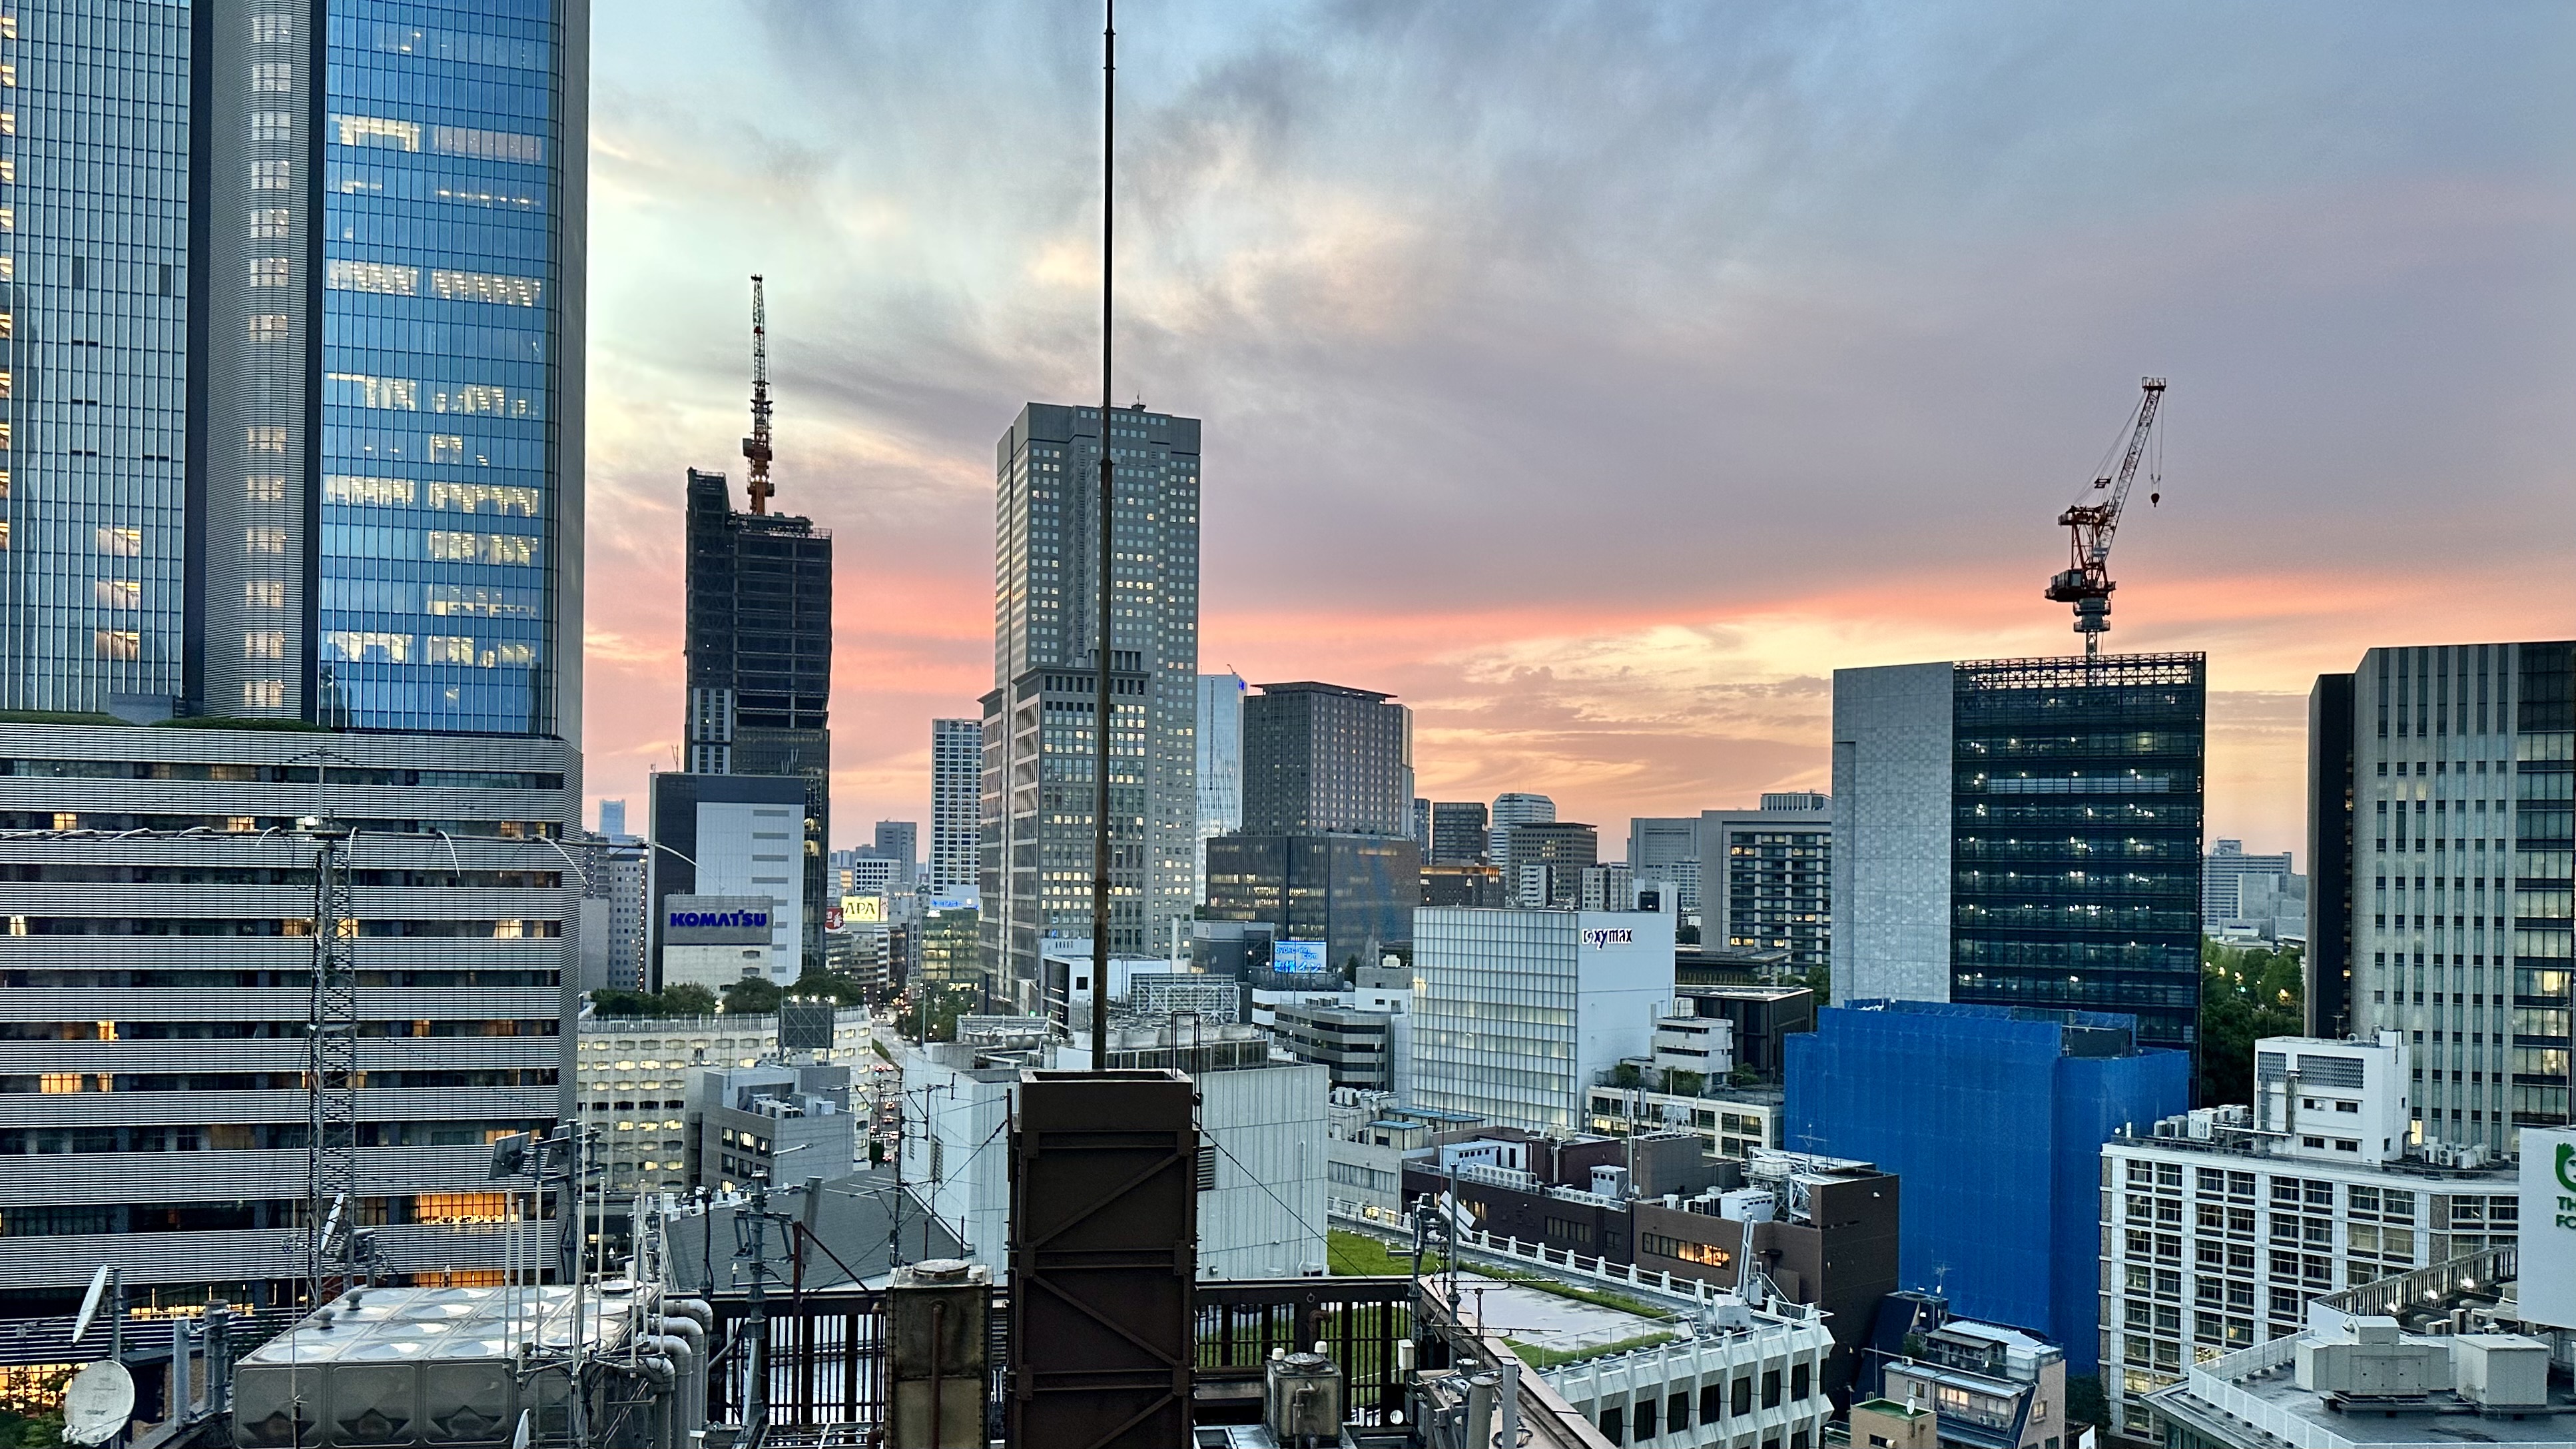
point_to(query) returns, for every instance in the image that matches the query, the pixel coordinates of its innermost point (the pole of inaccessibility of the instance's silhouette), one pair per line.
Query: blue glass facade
(93, 351)
(438, 574)
(1993, 1119)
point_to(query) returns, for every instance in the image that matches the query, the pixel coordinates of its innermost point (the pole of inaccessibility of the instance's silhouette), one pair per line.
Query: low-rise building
(2221, 1226)
(1730, 1121)
(635, 1075)
(1988, 1386)
(1356, 1047)
(1261, 1122)
(1567, 1194)
(1369, 1134)
(1820, 1230)
(1462, 884)
(1750, 1376)
(2427, 1359)
(765, 1124)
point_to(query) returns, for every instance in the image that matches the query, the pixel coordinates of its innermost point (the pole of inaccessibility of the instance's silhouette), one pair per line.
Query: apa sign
(2548, 1246)
(1603, 937)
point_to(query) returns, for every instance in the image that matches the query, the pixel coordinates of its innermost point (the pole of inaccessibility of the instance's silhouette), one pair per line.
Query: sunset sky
(1597, 378)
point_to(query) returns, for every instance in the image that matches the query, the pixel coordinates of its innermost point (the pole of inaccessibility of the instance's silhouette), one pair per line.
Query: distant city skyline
(1633, 490)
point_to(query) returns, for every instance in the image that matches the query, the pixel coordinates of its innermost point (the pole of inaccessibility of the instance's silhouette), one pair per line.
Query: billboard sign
(832, 917)
(1602, 938)
(716, 920)
(2548, 1246)
(1298, 958)
(862, 909)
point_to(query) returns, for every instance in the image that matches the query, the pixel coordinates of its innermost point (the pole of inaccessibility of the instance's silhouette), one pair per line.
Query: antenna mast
(756, 447)
(1103, 711)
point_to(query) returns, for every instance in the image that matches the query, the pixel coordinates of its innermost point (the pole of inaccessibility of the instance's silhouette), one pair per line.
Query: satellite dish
(98, 1402)
(90, 1300)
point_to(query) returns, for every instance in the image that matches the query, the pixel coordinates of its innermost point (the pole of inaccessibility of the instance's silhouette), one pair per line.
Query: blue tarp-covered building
(1993, 1118)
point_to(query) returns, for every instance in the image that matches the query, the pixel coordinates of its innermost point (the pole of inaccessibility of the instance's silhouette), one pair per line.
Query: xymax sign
(1599, 937)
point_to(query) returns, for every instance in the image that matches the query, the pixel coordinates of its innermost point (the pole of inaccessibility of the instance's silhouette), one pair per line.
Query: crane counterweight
(2093, 520)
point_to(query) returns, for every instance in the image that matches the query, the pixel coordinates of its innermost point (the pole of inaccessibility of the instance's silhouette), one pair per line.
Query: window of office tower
(438, 386)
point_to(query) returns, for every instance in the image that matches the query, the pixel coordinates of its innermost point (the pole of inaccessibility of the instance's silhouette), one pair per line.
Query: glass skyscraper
(94, 455)
(2023, 832)
(390, 526)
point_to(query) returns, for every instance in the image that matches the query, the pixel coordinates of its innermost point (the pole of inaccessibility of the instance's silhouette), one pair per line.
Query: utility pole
(751, 1240)
(1108, 557)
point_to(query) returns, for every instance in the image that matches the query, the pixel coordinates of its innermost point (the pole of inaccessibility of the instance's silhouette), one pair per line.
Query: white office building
(2224, 872)
(1516, 1011)
(956, 772)
(2222, 1224)
(1749, 1376)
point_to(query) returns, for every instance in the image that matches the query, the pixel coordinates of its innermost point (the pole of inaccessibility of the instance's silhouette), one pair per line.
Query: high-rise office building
(1543, 861)
(293, 432)
(1037, 795)
(2022, 832)
(1665, 851)
(1220, 765)
(1766, 877)
(1422, 825)
(1510, 810)
(612, 819)
(93, 574)
(2439, 840)
(392, 302)
(2222, 871)
(900, 840)
(760, 664)
(956, 765)
(1457, 832)
(1355, 893)
(1325, 757)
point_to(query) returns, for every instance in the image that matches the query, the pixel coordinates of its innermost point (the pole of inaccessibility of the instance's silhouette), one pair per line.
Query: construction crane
(2094, 517)
(756, 447)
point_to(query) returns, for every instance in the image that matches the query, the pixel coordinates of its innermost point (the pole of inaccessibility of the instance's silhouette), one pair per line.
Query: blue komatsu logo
(719, 918)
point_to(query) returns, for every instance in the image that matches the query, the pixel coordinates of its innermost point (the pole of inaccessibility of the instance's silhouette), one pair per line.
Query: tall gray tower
(956, 764)
(1037, 791)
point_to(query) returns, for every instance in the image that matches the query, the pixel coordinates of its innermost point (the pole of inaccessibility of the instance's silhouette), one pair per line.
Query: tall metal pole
(1100, 710)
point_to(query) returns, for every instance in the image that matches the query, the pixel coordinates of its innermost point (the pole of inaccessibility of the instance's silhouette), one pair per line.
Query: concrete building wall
(1265, 1216)
(1891, 867)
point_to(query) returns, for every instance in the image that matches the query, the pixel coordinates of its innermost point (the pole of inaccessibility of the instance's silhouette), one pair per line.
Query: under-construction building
(760, 663)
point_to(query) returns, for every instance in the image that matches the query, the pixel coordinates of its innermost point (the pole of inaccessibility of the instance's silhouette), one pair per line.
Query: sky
(1598, 378)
